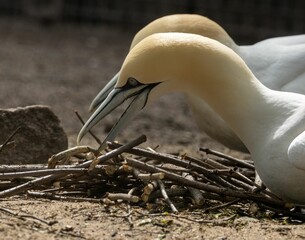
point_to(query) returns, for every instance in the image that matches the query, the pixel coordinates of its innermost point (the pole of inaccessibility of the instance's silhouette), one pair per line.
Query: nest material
(127, 173)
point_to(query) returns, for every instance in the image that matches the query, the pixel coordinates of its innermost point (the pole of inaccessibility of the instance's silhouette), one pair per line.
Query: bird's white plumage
(296, 152)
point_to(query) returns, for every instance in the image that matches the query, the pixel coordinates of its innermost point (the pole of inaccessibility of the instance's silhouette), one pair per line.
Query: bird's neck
(239, 102)
(231, 89)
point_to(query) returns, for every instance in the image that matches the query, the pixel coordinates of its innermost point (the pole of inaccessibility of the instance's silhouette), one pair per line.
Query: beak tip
(79, 137)
(78, 140)
(93, 106)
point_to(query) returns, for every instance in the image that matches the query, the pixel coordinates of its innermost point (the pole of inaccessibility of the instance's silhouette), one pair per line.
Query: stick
(7, 141)
(22, 216)
(52, 196)
(165, 196)
(235, 160)
(122, 196)
(42, 172)
(63, 156)
(195, 193)
(21, 168)
(91, 133)
(220, 206)
(171, 192)
(7, 145)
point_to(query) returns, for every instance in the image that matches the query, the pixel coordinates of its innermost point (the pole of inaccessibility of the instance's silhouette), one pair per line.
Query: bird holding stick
(271, 124)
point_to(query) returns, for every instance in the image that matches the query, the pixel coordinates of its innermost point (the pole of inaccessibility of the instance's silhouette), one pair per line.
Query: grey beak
(102, 95)
(116, 97)
(135, 106)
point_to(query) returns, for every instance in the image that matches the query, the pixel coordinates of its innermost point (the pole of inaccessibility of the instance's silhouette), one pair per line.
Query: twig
(148, 190)
(22, 216)
(220, 206)
(52, 196)
(150, 176)
(7, 141)
(42, 172)
(171, 192)
(165, 196)
(122, 196)
(21, 168)
(91, 133)
(7, 145)
(63, 156)
(195, 193)
(235, 160)
(207, 163)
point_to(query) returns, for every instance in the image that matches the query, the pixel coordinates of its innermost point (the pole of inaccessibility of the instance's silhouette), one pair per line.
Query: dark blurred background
(246, 21)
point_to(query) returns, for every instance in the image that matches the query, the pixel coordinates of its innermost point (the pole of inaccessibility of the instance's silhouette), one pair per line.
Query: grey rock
(39, 137)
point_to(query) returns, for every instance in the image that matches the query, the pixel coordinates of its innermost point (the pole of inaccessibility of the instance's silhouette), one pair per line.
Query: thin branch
(51, 196)
(235, 160)
(42, 172)
(22, 216)
(165, 196)
(62, 157)
(10, 137)
(220, 206)
(91, 133)
(122, 196)
(195, 193)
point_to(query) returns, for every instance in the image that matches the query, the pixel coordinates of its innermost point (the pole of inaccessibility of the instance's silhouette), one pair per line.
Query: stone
(39, 137)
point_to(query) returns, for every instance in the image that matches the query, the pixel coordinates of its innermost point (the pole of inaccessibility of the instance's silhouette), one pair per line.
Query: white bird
(279, 63)
(270, 123)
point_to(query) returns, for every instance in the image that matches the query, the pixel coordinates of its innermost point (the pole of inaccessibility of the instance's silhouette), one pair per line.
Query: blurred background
(60, 53)
(246, 21)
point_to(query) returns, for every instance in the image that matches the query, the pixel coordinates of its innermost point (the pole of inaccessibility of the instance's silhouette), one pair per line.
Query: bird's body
(270, 123)
(279, 63)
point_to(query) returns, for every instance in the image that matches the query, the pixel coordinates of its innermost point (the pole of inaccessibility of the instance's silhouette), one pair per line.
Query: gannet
(279, 63)
(270, 123)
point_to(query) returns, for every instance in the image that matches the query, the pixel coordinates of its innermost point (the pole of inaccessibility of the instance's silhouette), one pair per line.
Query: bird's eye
(132, 82)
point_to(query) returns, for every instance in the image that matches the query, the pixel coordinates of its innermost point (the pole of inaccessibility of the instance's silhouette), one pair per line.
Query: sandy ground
(64, 66)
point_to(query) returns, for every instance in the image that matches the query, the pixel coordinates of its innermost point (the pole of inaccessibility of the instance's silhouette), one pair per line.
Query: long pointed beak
(135, 106)
(116, 97)
(102, 95)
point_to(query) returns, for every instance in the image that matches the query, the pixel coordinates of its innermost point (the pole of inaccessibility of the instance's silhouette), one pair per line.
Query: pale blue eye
(132, 82)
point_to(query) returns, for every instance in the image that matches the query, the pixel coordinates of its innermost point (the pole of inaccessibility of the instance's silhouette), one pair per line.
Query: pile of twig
(141, 176)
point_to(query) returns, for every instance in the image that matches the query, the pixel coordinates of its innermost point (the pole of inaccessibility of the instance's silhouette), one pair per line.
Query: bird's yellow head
(185, 23)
